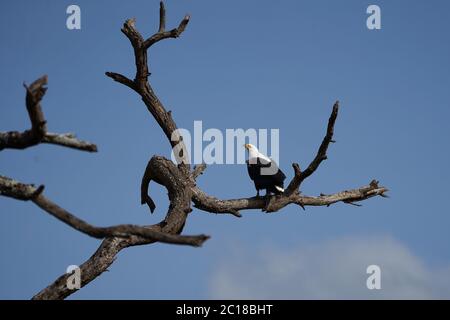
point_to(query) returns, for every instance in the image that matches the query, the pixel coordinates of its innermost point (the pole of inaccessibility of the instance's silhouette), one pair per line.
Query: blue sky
(240, 64)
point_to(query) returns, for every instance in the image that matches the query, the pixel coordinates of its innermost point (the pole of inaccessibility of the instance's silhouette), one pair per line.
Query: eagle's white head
(254, 153)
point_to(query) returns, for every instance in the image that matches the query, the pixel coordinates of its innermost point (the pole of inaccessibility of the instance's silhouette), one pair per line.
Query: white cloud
(332, 270)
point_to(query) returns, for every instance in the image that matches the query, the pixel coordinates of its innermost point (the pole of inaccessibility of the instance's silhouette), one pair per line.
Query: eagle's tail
(280, 189)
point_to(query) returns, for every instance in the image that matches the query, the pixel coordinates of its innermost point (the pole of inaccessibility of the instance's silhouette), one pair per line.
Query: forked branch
(14, 189)
(141, 85)
(300, 176)
(38, 132)
(178, 179)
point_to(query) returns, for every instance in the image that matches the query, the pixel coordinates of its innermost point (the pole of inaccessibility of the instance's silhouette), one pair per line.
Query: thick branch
(17, 190)
(98, 263)
(31, 137)
(20, 191)
(38, 132)
(142, 86)
(179, 181)
(211, 204)
(163, 172)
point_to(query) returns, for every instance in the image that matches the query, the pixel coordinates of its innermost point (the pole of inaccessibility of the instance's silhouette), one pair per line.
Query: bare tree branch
(164, 172)
(17, 190)
(211, 204)
(179, 180)
(162, 17)
(198, 170)
(174, 33)
(35, 93)
(122, 79)
(20, 191)
(142, 86)
(68, 140)
(321, 154)
(38, 132)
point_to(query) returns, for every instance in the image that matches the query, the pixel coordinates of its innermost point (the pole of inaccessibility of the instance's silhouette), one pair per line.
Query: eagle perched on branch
(264, 172)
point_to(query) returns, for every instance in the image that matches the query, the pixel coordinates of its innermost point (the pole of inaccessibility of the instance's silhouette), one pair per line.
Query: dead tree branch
(141, 85)
(164, 172)
(38, 132)
(14, 189)
(211, 204)
(300, 176)
(178, 179)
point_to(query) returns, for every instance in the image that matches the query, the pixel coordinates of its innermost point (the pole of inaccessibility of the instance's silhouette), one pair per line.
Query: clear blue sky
(240, 64)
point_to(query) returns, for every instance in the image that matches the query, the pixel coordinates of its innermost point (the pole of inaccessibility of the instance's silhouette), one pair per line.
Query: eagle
(264, 172)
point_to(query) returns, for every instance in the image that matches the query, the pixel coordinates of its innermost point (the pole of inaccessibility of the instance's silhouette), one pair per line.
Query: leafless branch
(17, 190)
(211, 204)
(163, 172)
(68, 140)
(174, 33)
(141, 84)
(38, 132)
(321, 154)
(162, 17)
(198, 170)
(179, 180)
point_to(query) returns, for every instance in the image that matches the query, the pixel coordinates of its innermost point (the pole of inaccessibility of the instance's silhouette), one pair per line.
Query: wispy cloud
(332, 270)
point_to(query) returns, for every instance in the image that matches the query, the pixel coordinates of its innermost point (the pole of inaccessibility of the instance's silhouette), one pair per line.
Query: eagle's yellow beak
(247, 146)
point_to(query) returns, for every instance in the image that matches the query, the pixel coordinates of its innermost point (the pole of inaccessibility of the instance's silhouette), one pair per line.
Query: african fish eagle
(264, 172)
